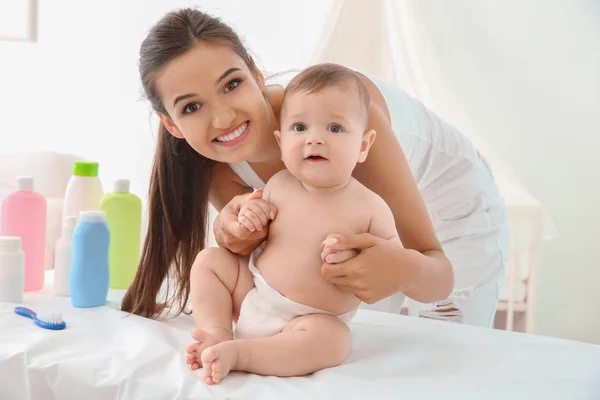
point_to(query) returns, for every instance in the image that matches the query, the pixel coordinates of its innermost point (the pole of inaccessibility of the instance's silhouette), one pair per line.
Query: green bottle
(124, 218)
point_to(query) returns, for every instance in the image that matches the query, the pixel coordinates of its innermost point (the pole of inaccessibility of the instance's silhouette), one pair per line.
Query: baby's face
(322, 134)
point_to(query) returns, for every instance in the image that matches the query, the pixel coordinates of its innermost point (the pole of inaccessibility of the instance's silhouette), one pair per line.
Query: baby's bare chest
(313, 220)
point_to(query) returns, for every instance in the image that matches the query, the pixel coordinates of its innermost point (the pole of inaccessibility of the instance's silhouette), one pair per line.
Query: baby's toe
(191, 348)
(208, 355)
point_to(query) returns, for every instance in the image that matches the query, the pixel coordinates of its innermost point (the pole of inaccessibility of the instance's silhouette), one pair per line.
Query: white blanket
(105, 354)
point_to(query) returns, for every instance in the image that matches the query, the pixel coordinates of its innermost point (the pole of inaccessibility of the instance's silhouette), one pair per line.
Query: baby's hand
(255, 214)
(330, 256)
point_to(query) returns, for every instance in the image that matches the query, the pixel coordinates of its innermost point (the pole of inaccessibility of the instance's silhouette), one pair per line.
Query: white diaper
(265, 311)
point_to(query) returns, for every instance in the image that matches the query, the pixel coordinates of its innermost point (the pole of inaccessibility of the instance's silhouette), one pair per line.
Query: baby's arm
(256, 213)
(382, 224)
(274, 186)
(269, 186)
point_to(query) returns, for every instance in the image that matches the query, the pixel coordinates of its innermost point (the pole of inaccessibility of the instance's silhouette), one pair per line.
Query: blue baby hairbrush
(46, 320)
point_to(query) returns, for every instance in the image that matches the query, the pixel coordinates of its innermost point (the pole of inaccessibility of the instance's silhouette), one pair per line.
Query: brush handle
(26, 312)
(29, 313)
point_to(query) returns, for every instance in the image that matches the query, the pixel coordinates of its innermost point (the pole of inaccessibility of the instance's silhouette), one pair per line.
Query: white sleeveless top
(445, 165)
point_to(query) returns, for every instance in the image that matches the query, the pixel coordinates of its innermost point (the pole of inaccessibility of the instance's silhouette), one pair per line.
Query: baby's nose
(314, 140)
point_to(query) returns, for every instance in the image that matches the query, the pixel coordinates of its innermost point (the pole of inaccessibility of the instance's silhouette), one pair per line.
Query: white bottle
(12, 269)
(84, 190)
(63, 257)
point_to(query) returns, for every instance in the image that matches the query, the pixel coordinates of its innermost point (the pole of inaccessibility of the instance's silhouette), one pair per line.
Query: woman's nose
(223, 117)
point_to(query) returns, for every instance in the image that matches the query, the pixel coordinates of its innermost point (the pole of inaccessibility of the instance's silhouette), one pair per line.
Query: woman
(216, 143)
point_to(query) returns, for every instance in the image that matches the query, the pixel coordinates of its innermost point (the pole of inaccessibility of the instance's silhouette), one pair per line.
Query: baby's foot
(218, 360)
(203, 339)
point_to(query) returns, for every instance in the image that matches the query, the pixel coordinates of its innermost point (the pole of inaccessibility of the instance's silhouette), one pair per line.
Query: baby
(290, 320)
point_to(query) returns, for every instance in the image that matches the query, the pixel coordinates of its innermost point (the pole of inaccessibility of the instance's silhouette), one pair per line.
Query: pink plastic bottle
(24, 215)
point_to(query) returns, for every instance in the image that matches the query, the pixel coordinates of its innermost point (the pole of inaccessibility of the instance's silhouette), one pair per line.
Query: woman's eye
(232, 85)
(190, 108)
(298, 127)
(334, 128)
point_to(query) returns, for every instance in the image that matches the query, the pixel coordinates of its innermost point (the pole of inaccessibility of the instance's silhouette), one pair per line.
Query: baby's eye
(334, 128)
(190, 108)
(232, 85)
(298, 127)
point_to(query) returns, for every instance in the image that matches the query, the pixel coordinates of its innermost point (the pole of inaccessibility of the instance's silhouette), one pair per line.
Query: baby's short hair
(321, 76)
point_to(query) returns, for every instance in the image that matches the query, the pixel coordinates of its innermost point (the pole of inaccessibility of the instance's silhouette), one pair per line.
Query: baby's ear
(277, 137)
(367, 142)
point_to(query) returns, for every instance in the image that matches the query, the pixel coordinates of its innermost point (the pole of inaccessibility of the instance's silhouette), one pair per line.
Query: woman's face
(215, 102)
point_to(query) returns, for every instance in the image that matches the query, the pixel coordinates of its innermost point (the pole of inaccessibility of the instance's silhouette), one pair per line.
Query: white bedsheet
(104, 354)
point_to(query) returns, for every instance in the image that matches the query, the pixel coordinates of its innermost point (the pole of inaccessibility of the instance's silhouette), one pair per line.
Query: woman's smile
(231, 137)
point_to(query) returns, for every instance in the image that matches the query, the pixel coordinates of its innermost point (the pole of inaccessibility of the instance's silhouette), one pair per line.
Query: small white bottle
(63, 257)
(84, 190)
(12, 270)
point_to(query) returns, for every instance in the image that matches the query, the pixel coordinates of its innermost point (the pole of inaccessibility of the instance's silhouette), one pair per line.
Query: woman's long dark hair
(180, 180)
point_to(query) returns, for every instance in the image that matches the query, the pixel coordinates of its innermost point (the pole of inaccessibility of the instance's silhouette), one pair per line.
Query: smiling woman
(208, 119)
(218, 118)
(189, 98)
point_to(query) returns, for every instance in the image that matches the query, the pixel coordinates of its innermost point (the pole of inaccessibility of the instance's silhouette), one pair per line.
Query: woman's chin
(246, 150)
(234, 155)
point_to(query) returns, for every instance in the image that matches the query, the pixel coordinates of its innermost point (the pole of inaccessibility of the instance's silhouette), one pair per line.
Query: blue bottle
(90, 268)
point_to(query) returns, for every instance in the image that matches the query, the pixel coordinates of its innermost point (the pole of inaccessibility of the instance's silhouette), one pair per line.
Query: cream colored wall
(77, 89)
(528, 73)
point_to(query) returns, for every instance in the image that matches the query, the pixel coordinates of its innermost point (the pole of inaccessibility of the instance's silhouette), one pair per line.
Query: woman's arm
(387, 173)
(227, 194)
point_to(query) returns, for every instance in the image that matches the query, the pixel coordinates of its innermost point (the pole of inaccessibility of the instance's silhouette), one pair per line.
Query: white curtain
(399, 41)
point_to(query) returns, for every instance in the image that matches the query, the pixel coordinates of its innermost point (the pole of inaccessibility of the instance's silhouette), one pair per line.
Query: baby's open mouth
(315, 157)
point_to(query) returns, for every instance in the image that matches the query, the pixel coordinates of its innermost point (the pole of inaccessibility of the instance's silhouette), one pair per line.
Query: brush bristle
(50, 317)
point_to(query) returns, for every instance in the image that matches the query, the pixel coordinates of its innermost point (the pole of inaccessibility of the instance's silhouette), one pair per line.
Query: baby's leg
(219, 281)
(307, 344)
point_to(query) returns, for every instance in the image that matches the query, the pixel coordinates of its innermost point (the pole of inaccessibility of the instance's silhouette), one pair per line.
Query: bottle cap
(121, 186)
(71, 221)
(10, 242)
(69, 225)
(92, 216)
(85, 168)
(25, 183)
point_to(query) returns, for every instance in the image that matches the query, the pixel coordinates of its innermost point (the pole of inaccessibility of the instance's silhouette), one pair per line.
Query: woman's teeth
(233, 135)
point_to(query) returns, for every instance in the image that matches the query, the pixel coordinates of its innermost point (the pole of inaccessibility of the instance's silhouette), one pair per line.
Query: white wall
(532, 71)
(77, 90)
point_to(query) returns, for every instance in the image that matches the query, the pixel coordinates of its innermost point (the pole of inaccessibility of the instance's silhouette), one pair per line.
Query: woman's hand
(381, 269)
(330, 256)
(242, 225)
